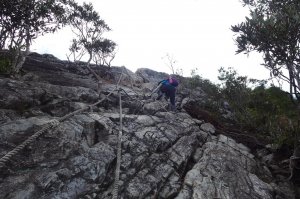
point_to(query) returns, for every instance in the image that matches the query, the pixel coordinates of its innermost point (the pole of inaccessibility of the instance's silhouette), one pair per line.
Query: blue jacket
(169, 90)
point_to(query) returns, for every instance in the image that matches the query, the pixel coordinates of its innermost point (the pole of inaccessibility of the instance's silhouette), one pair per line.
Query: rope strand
(49, 125)
(119, 152)
(29, 140)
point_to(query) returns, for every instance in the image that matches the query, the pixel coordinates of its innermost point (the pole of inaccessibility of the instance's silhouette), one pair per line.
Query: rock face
(164, 154)
(223, 172)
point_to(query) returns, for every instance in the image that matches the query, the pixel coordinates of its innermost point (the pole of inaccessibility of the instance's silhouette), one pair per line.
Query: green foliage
(267, 110)
(212, 91)
(235, 90)
(272, 99)
(273, 29)
(196, 81)
(235, 86)
(275, 113)
(21, 21)
(89, 28)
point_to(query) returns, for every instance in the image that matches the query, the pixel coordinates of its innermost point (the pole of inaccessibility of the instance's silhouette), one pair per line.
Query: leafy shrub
(273, 111)
(196, 81)
(269, 111)
(210, 90)
(235, 91)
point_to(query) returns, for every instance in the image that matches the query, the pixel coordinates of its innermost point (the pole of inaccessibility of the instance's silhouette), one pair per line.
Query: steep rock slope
(164, 154)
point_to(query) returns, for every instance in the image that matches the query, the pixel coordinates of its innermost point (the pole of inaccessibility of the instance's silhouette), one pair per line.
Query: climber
(168, 88)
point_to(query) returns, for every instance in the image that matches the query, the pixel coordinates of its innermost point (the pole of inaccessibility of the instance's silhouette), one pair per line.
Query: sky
(194, 33)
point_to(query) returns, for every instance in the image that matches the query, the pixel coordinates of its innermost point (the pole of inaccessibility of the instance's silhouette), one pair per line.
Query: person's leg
(161, 92)
(171, 94)
(167, 96)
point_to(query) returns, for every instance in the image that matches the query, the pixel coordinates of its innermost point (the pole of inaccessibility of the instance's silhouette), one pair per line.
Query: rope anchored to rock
(51, 124)
(9, 155)
(119, 153)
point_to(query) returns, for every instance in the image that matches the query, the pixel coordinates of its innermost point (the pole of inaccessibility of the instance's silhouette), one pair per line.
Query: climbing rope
(209, 134)
(51, 124)
(54, 123)
(117, 171)
(28, 141)
(119, 152)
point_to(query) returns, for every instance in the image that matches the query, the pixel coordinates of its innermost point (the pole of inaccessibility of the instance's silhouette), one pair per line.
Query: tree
(21, 21)
(105, 53)
(170, 62)
(88, 28)
(273, 29)
(236, 91)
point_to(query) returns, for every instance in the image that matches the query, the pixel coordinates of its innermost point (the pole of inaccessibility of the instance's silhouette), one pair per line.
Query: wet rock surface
(164, 154)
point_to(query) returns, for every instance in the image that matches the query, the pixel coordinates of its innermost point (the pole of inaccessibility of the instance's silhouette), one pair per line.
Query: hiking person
(168, 88)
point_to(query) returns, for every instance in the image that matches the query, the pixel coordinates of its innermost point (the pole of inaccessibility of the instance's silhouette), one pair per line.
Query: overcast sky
(196, 33)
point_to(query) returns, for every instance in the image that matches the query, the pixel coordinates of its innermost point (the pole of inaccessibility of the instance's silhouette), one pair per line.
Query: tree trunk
(91, 70)
(20, 57)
